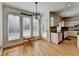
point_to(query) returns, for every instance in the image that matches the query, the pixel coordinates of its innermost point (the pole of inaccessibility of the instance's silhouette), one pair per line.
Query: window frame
(30, 24)
(16, 14)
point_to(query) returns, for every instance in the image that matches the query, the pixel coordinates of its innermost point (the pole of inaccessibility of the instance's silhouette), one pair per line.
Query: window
(44, 28)
(26, 26)
(35, 27)
(13, 27)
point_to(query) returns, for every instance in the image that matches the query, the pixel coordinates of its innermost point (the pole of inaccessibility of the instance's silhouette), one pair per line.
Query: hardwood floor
(44, 48)
(0, 52)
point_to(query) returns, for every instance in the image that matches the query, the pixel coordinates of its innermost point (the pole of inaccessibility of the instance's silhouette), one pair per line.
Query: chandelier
(36, 14)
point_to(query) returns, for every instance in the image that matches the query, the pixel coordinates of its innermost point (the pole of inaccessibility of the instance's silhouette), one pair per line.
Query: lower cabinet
(77, 41)
(56, 37)
(70, 33)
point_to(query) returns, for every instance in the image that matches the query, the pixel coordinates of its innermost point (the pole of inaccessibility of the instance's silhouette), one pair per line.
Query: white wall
(1, 28)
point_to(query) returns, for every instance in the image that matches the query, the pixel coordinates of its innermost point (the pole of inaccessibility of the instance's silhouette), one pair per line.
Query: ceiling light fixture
(36, 14)
(69, 4)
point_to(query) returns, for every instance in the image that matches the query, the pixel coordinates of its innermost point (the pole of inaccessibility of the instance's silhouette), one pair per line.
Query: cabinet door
(52, 21)
(54, 38)
(56, 22)
(59, 37)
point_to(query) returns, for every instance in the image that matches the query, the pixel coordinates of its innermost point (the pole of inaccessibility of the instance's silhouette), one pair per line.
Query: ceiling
(44, 7)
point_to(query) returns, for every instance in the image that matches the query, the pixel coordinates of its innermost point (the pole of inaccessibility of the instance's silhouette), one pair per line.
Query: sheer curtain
(35, 26)
(13, 27)
(27, 26)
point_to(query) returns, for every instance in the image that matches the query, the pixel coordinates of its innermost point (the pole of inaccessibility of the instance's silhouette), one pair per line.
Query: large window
(27, 26)
(44, 28)
(13, 27)
(35, 27)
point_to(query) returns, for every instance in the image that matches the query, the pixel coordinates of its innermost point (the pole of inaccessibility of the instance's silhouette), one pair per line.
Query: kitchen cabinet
(70, 33)
(56, 37)
(54, 21)
(78, 40)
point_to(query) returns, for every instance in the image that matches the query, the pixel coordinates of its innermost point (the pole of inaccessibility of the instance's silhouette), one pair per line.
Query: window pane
(27, 26)
(44, 28)
(13, 27)
(35, 27)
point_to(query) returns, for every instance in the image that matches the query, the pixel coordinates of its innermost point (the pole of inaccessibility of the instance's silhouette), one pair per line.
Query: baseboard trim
(19, 44)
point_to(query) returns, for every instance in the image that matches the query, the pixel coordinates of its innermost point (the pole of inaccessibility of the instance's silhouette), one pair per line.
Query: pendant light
(36, 14)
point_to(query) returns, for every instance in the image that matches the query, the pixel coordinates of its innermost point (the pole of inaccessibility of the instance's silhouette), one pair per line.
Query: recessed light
(69, 4)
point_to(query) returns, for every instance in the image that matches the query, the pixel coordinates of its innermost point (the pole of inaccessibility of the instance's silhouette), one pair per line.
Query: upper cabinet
(54, 19)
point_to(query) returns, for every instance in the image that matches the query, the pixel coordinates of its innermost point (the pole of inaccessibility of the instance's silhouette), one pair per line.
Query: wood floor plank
(44, 48)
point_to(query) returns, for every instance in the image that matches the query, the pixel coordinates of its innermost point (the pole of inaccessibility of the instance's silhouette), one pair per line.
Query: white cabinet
(59, 37)
(65, 34)
(77, 41)
(70, 33)
(52, 21)
(55, 21)
(56, 37)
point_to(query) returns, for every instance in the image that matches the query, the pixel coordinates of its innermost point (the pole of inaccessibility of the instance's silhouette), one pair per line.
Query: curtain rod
(25, 14)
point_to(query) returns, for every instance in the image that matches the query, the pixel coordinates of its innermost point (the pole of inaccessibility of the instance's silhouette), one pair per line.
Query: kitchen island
(56, 37)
